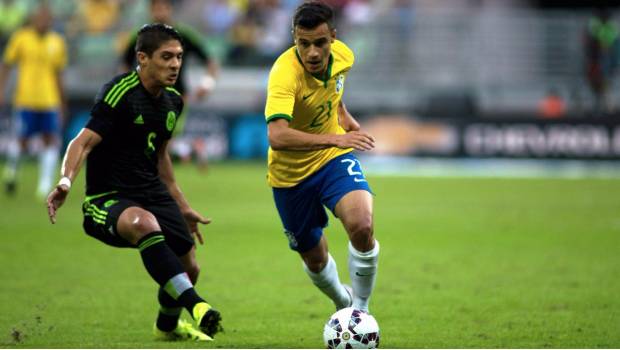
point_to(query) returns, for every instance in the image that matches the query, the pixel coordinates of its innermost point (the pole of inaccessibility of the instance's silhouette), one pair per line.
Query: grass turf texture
(464, 263)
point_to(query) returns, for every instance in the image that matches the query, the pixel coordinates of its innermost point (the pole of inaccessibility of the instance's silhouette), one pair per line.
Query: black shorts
(101, 215)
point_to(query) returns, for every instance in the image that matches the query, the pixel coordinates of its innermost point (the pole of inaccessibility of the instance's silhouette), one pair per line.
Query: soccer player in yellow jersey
(312, 135)
(40, 56)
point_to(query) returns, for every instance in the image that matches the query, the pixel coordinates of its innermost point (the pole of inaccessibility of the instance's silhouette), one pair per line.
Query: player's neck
(149, 83)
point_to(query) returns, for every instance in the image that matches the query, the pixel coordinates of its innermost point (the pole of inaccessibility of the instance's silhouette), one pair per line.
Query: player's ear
(141, 57)
(333, 34)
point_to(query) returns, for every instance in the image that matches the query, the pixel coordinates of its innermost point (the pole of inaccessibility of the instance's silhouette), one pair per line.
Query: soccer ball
(350, 328)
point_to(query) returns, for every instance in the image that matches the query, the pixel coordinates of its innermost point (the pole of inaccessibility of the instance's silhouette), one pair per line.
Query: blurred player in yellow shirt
(40, 57)
(312, 135)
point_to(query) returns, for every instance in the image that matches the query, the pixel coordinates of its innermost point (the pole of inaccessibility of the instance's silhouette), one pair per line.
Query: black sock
(188, 299)
(166, 269)
(169, 311)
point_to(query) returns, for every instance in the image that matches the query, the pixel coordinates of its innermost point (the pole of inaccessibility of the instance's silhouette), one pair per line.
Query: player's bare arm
(4, 73)
(64, 109)
(76, 153)
(284, 138)
(166, 174)
(346, 120)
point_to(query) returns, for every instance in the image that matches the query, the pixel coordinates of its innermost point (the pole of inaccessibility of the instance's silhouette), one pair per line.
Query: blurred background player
(602, 53)
(161, 11)
(133, 199)
(40, 56)
(312, 135)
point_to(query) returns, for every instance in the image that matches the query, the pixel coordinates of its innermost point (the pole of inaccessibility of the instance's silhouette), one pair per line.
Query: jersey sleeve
(281, 92)
(103, 116)
(11, 52)
(61, 58)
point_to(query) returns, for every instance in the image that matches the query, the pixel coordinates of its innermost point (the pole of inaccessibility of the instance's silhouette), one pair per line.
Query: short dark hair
(312, 14)
(152, 36)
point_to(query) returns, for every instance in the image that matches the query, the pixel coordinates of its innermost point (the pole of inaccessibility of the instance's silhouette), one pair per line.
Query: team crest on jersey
(339, 83)
(171, 120)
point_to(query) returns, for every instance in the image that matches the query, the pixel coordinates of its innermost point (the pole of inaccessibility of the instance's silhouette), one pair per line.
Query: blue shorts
(34, 122)
(301, 206)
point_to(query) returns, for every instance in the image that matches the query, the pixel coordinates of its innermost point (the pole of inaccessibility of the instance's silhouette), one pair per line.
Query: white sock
(13, 153)
(328, 282)
(47, 168)
(363, 272)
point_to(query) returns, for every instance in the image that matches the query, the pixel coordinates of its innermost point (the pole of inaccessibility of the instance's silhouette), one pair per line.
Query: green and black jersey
(133, 125)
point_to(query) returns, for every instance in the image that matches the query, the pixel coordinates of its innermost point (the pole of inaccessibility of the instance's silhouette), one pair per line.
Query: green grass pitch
(465, 263)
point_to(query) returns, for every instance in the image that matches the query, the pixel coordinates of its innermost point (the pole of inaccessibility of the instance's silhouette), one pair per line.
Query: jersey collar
(328, 74)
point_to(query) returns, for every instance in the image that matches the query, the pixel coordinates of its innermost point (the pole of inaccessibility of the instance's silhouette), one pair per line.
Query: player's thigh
(344, 180)
(173, 225)
(302, 215)
(28, 123)
(355, 213)
(49, 125)
(101, 216)
(355, 209)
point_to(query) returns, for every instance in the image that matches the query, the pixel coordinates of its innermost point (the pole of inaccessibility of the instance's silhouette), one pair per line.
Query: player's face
(165, 63)
(161, 11)
(42, 20)
(314, 46)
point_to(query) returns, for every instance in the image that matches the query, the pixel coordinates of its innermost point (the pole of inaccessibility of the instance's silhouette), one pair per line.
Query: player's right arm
(284, 138)
(76, 153)
(9, 58)
(282, 90)
(4, 73)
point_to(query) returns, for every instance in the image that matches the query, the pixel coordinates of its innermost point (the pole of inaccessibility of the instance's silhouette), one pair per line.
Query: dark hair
(311, 14)
(152, 36)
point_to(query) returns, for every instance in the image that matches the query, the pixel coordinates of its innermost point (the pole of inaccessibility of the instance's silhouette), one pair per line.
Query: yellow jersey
(310, 104)
(39, 58)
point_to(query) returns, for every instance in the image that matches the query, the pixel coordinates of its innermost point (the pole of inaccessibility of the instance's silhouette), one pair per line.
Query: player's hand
(201, 93)
(55, 200)
(204, 88)
(357, 140)
(193, 218)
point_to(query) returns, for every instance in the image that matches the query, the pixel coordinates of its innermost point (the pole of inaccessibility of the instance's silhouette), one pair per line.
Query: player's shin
(48, 159)
(166, 269)
(363, 272)
(12, 161)
(328, 282)
(169, 311)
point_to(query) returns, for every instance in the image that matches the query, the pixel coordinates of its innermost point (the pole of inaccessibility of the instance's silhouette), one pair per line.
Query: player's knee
(361, 234)
(145, 223)
(315, 264)
(136, 223)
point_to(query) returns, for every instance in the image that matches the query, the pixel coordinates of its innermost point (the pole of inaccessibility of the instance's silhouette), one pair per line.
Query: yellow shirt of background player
(38, 59)
(310, 104)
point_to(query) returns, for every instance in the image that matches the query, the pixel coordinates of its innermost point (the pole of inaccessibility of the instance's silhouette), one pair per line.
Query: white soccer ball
(350, 328)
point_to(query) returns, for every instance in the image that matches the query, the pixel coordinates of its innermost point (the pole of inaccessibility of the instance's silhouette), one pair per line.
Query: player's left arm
(64, 107)
(166, 174)
(193, 45)
(346, 120)
(61, 61)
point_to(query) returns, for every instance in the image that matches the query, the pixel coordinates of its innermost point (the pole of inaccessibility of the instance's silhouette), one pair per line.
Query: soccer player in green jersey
(132, 198)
